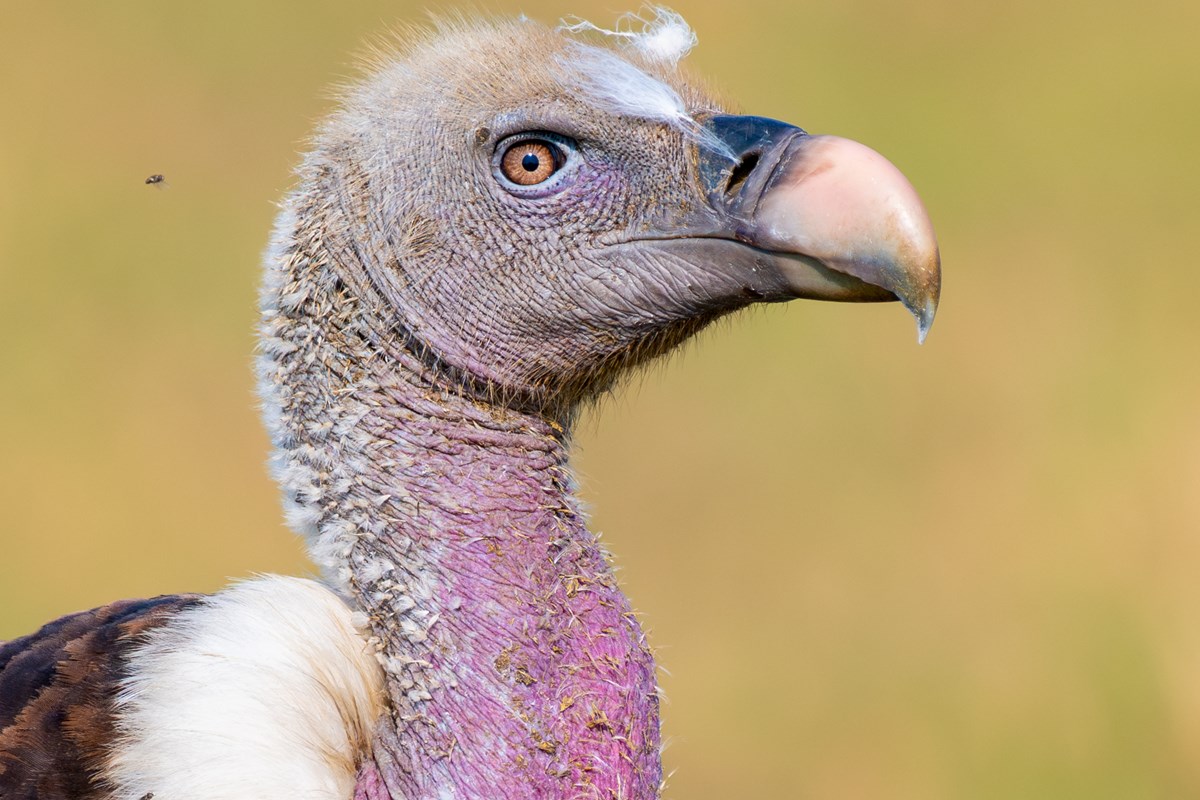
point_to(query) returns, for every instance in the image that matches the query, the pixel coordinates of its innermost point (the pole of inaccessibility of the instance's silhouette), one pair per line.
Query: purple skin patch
(369, 785)
(535, 680)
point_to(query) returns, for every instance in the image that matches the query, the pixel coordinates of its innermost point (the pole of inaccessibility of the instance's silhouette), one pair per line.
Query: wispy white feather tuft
(665, 38)
(619, 86)
(264, 691)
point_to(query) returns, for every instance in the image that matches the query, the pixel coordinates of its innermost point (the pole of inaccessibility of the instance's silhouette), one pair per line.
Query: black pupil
(530, 162)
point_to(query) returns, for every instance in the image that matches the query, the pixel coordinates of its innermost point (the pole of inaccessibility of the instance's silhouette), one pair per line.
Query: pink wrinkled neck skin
(515, 665)
(369, 784)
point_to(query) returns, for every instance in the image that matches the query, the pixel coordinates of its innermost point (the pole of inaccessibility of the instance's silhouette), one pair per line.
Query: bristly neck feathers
(514, 665)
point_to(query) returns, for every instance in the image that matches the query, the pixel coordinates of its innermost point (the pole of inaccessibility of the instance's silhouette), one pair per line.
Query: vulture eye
(526, 161)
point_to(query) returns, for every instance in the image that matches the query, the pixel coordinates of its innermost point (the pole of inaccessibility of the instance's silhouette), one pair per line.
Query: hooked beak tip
(924, 315)
(850, 208)
(921, 292)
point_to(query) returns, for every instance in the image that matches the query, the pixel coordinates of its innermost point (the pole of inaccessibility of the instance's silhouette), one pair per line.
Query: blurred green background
(875, 570)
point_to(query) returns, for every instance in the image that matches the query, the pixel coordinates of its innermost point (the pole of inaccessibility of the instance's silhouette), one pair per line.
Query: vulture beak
(837, 220)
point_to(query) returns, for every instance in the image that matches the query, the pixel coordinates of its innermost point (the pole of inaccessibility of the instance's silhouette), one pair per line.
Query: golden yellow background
(875, 570)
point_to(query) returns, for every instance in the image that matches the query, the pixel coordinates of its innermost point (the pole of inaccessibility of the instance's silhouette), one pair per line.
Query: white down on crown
(617, 85)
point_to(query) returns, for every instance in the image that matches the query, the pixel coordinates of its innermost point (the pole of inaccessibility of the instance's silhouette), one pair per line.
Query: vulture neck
(514, 665)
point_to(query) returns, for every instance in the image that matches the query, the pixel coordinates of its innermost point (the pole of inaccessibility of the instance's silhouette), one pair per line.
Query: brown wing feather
(57, 688)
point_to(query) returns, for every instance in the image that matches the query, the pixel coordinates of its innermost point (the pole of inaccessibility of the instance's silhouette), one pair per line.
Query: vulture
(491, 228)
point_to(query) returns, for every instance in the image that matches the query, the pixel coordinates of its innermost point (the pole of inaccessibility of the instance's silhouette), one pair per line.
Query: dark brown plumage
(56, 697)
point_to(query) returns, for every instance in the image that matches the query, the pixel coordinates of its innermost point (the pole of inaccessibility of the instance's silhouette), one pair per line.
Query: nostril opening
(742, 171)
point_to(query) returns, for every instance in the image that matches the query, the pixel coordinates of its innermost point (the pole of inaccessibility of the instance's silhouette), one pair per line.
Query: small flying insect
(156, 180)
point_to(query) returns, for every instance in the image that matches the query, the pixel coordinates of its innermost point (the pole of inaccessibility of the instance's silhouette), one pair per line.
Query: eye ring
(534, 163)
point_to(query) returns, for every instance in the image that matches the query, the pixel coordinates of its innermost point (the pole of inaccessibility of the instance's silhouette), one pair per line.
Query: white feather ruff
(264, 691)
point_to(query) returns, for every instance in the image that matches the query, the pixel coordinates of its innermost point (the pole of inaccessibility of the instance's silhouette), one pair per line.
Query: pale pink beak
(844, 205)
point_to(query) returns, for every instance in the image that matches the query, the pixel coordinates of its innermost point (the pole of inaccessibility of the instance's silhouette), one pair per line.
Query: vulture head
(494, 225)
(532, 210)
